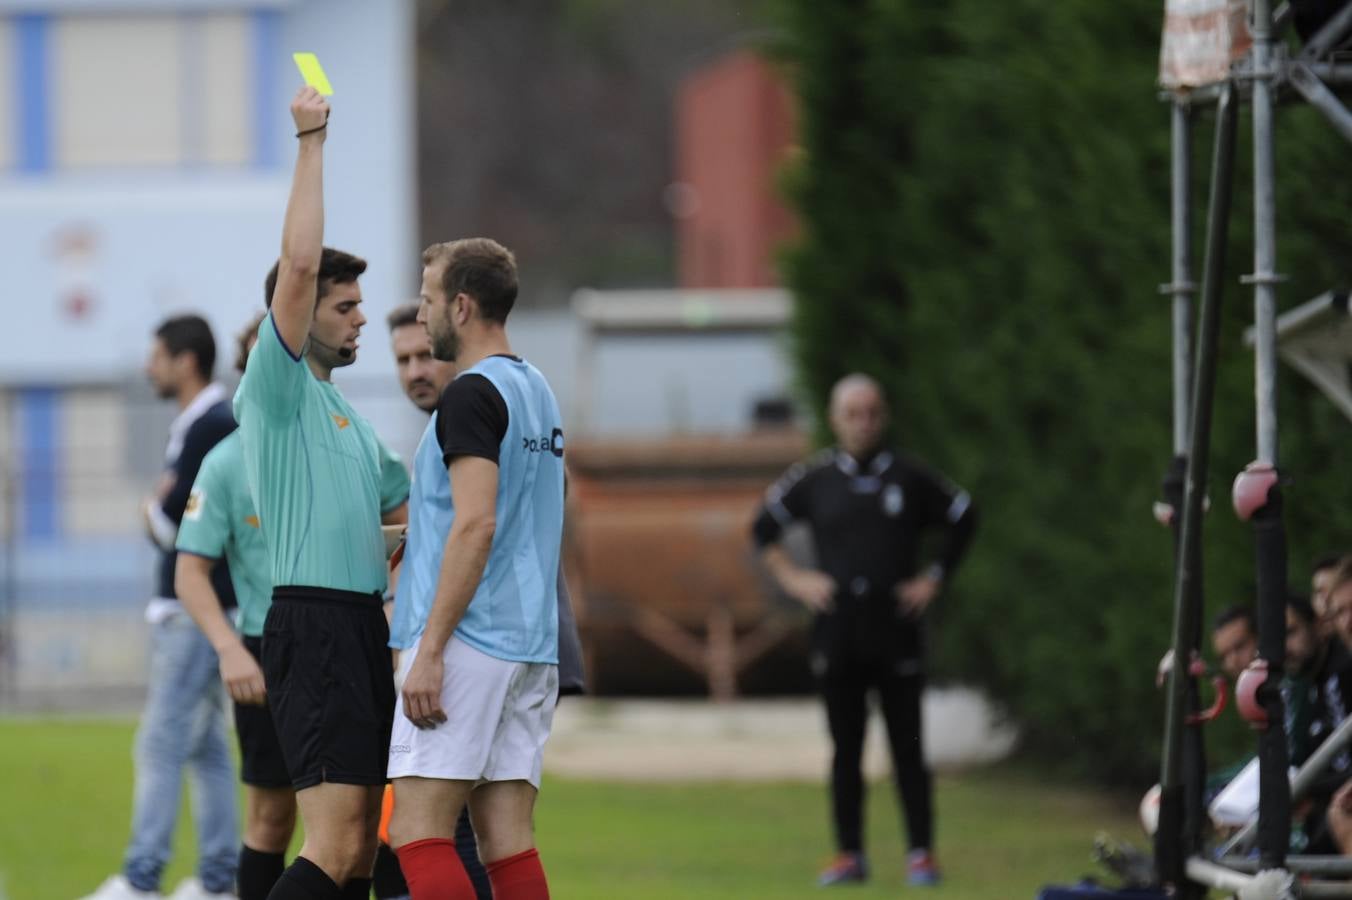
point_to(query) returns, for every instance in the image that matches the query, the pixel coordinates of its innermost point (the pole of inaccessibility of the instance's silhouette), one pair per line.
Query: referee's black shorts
(260, 752)
(330, 681)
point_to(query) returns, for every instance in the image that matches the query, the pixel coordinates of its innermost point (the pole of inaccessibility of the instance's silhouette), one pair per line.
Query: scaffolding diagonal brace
(1321, 98)
(1330, 35)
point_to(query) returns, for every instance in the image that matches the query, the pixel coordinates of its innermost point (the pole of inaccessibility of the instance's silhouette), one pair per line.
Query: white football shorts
(498, 717)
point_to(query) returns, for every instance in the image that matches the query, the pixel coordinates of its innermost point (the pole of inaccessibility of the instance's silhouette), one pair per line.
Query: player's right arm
(202, 539)
(239, 670)
(274, 380)
(786, 501)
(293, 300)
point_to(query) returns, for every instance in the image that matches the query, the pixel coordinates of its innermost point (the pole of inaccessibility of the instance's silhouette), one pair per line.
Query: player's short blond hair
(479, 267)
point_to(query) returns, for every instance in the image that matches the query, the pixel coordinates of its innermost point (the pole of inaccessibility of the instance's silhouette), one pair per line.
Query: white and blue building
(145, 153)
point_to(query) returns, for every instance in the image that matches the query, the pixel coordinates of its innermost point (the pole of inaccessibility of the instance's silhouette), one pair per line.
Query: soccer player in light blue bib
(476, 612)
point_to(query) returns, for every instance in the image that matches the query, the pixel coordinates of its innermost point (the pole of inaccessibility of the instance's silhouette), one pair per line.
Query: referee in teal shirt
(322, 485)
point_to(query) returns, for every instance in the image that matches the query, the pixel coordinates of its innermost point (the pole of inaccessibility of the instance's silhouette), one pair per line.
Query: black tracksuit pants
(854, 657)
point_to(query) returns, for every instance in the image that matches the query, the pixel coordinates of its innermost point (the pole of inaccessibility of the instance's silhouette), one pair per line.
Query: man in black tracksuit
(868, 510)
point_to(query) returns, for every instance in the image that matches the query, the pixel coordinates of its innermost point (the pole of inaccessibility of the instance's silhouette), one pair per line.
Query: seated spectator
(1306, 655)
(1335, 683)
(1321, 576)
(1340, 819)
(1234, 637)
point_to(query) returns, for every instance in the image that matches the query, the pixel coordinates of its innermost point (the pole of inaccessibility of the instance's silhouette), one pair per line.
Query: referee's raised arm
(293, 303)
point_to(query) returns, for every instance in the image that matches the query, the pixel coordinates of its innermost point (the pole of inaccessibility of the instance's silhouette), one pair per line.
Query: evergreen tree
(984, 195)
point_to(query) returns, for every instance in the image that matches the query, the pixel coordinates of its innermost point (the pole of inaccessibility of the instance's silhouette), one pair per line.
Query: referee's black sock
(258, 872)
(467, 846)
(357, 889)
(388, 879)
(303, 880)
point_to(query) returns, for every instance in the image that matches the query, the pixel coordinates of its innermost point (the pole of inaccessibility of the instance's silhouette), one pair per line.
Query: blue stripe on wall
(267, 46)
(40, 462)
(34, 125)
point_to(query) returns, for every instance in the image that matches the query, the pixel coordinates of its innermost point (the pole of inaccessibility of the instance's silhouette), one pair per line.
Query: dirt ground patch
(766, 740)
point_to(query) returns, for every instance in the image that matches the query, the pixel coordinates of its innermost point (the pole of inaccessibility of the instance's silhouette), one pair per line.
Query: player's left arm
(394, 487)
(474, 491)
(945, 505)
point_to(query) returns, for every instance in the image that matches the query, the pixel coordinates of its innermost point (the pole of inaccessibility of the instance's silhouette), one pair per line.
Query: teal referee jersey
(219, 522)
(319, 476)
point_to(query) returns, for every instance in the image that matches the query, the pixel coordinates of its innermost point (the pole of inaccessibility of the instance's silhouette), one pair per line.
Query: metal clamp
(1174, 288)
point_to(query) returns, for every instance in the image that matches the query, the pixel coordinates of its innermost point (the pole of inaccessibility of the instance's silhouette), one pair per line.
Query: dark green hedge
(984, 195)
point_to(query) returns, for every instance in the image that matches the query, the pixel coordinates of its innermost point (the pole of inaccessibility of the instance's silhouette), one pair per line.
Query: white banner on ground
(1201, 39)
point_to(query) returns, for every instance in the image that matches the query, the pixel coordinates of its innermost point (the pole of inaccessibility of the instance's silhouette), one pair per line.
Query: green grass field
(1002, 834)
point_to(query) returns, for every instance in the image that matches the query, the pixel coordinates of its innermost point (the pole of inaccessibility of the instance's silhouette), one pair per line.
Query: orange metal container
(668, 594)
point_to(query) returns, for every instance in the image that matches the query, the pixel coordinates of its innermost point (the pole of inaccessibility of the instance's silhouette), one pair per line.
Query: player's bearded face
(442, 332)
(436, 312)
(446, 343)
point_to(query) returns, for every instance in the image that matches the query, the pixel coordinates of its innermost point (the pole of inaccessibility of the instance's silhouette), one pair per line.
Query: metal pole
(1274, 807)
(1337, 866)
(1171, 850)
(1331, 73)
(1204, 871)
(1269, 884)
(1332, 31)
(1182, 287)
(1312, 889)
(1321, 98)
(1264, 277)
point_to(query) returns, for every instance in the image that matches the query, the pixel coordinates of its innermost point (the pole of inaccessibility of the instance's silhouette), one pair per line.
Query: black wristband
(312, 130)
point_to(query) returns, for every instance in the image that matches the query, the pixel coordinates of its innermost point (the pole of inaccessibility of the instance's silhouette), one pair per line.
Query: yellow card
(313, 72)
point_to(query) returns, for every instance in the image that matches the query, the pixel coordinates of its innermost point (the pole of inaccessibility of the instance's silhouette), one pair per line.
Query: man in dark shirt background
(183, 724)
(868, 510)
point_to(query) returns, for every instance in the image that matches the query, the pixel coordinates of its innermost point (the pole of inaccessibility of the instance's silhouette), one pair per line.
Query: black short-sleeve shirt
(471, 419)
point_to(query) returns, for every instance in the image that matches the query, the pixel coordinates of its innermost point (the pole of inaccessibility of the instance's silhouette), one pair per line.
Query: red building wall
(734, 124)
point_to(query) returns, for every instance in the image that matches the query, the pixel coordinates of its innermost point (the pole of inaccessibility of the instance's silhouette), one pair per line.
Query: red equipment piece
(1250, 492)
(1247, 689)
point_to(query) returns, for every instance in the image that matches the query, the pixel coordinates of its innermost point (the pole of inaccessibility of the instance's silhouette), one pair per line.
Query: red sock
(519, 877)
(433, 870)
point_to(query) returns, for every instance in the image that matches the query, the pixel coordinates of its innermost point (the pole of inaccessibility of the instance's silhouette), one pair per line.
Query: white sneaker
(117, 887)
(191, 889)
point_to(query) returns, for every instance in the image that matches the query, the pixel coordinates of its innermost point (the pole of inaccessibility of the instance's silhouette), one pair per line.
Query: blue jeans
(183, 724)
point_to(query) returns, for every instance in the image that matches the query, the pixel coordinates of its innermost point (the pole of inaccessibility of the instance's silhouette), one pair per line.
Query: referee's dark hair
(190, 334)
(335, 267)
(480, 267)
(402, 316)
